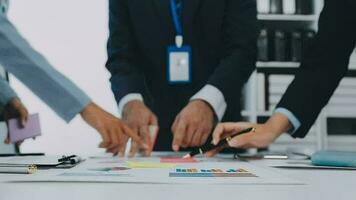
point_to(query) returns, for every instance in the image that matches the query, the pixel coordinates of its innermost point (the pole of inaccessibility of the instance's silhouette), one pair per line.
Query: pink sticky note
(18, 133)
(177, 160)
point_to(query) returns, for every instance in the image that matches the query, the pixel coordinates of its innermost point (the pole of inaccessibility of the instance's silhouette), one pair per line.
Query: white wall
(72, 35)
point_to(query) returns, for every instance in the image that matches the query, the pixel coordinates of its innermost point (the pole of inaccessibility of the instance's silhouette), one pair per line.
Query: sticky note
(152, 165)
(18, 133)
(177, 160)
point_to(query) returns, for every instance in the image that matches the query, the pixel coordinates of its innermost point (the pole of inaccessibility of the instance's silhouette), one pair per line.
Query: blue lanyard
(175, 10)
(175, 15)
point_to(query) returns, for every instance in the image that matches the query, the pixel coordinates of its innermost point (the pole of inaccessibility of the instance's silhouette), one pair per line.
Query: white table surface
(319, 184)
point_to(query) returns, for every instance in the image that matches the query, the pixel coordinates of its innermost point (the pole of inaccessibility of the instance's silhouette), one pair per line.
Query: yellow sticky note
(152, 165)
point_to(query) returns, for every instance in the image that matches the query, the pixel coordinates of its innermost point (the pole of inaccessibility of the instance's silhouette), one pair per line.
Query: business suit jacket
(222, 34)
(325, 63)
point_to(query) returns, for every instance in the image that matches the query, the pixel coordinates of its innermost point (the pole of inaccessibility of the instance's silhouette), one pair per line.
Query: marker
(208, 147)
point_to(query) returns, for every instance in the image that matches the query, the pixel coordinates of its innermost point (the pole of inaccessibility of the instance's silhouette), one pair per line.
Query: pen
(31, 169)
(207, 147)
(74, 160)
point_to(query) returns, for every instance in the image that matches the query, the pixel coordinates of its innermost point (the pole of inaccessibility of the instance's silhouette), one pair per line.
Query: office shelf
(277, 64)
(283, 17)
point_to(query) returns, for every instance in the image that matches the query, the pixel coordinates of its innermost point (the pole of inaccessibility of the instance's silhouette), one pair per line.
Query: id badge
(179, 65)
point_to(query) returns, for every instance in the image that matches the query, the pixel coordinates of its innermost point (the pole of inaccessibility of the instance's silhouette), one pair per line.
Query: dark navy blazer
(222, 34)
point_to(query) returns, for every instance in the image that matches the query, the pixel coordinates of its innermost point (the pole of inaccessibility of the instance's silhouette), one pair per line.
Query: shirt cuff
(291, 117)
(126, 99)
(214, 97)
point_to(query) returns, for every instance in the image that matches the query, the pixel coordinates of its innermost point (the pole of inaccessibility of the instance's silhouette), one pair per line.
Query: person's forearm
(325, 63)
(278, 124)
(238, 60)
(126, 74)
(31, 68)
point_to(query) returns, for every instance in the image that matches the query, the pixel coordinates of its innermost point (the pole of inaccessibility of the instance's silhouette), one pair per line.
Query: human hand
(15, 109)
(263, 135)
(112, 130)
(140, 118)
(193, 125)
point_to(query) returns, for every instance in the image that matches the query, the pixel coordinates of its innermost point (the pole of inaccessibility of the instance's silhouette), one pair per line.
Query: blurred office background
(72, 35)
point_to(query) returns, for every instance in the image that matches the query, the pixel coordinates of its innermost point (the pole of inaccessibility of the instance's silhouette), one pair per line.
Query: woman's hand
(112, 130)
(264, 134)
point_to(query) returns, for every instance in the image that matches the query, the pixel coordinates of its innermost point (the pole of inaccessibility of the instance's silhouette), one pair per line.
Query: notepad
(334, 158)
(31, 130)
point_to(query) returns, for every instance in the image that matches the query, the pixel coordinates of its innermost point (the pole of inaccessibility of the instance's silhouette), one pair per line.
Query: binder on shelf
(276, 6)
(296, 46)
(280, 46)
(304, 7)
(289, 7)
(263, 6)
(262, 45)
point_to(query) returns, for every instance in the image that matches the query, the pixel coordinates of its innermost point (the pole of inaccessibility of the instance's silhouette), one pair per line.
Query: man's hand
(139, 118)
(193, 125)
(15, 109)
(263, 136)
(112, 130)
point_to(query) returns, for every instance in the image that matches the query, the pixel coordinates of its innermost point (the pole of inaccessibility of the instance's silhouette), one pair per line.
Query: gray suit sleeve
(30, 67)
(6, 92)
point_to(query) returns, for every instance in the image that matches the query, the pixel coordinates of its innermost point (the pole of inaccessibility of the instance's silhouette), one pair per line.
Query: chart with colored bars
(193, 172)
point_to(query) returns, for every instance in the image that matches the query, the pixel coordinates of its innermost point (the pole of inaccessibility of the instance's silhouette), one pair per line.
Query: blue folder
(334, 158)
